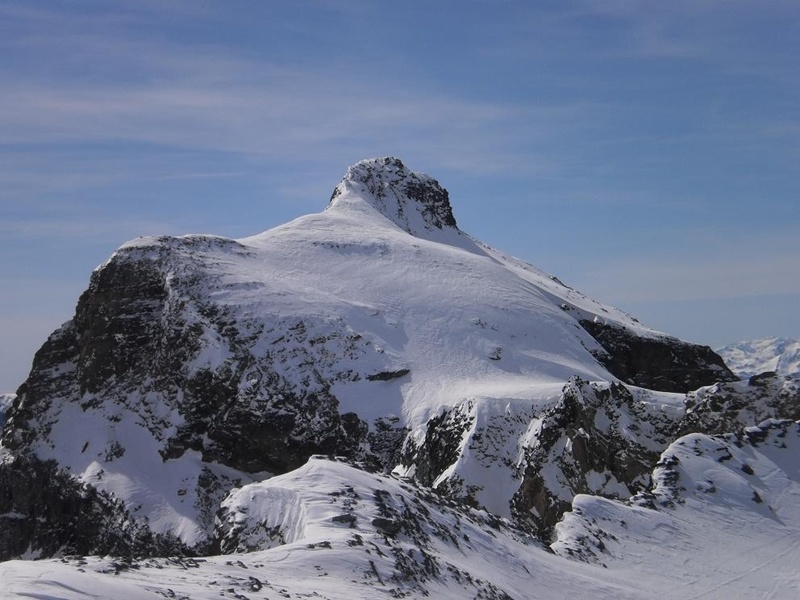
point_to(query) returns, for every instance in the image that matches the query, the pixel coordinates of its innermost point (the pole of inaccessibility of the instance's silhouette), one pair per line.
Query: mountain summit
(413, 201)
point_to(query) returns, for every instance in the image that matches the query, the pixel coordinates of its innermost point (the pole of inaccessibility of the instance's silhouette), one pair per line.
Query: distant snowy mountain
(369, 379)
(746, 359)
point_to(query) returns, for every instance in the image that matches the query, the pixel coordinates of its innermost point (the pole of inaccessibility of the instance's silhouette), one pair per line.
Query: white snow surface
(748, 358)
(464, 318)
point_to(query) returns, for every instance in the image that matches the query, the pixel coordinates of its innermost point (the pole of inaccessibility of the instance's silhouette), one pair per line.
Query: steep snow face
(749, 358)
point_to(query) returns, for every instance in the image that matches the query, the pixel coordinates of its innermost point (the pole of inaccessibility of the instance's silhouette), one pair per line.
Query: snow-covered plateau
(369, 402)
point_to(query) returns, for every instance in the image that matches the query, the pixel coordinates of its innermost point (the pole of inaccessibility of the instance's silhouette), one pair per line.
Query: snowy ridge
(780, 355)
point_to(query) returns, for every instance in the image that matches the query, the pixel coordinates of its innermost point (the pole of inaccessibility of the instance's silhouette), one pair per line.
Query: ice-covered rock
(5, 403)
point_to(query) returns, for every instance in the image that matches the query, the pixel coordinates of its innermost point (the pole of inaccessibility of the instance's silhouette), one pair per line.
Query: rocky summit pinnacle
(413, 201)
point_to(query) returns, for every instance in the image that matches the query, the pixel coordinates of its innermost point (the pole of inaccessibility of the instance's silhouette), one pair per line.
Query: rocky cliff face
(726, 407)
(137, 343)
(413, 201)
(375, 331)
(664, 364)
(715, 488)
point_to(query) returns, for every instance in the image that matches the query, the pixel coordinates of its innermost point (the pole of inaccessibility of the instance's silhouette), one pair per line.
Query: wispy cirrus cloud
(106, 84)
(709, 265)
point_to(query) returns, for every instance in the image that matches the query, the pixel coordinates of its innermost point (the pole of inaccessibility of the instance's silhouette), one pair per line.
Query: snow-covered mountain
(749, 358)
(370, 379)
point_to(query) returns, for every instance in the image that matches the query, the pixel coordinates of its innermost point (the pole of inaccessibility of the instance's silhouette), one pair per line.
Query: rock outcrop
(413, 201)
(658, 363)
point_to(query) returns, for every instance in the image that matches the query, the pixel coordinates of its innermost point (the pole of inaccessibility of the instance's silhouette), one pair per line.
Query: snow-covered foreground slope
(746, 359)
(723, 521)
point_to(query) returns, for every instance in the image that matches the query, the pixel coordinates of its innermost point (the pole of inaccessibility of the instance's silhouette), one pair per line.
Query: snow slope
(749, 358)
(723, 520)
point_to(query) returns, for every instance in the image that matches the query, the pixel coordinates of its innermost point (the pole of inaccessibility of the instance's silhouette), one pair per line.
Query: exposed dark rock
(347, 519)
(385, 443)
(596, 440)
(762, 377)
(663, 364)
(441, 446)
(387, 526)
(388, 375)
(6, 400)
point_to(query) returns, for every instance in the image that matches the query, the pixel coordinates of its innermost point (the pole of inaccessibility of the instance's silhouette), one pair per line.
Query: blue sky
(646, 153)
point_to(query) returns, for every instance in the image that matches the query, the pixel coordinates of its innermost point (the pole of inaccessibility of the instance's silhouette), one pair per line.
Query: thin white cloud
(722, 265)
(207, 97)
(113, 230)
(96, 99)
(278, 119)
(220, 175)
